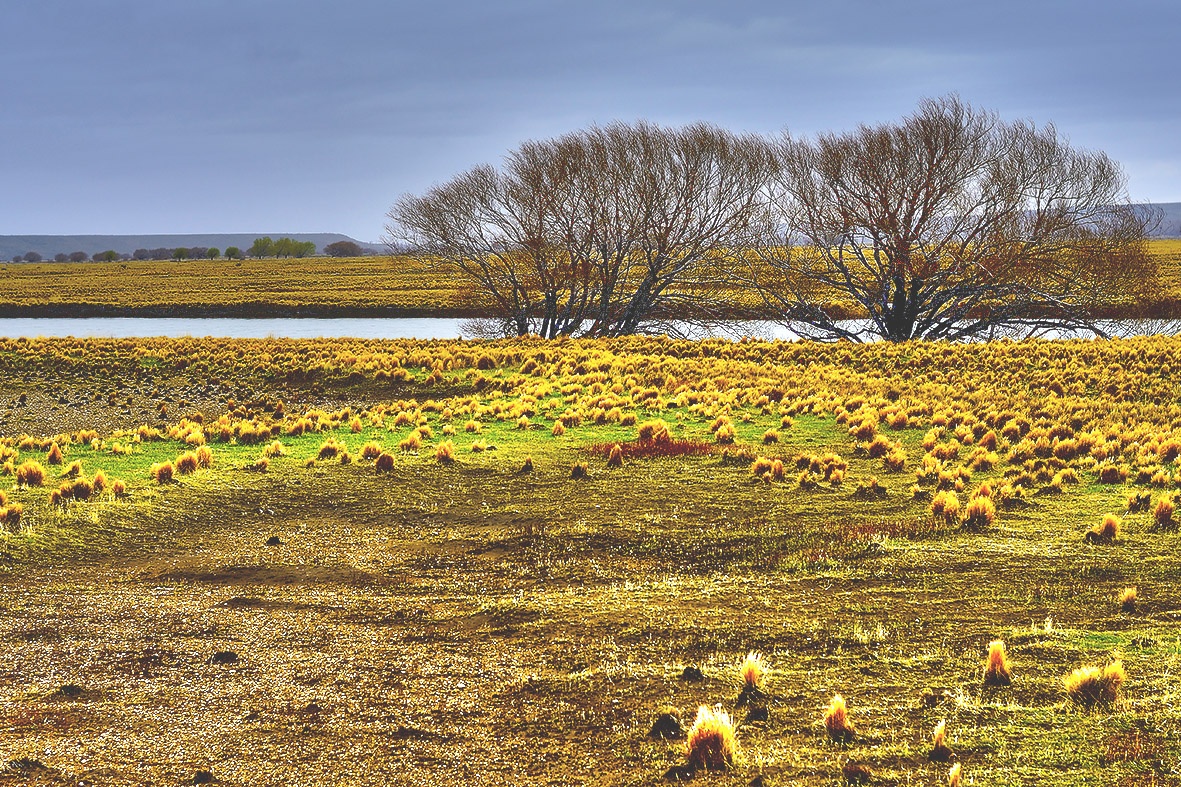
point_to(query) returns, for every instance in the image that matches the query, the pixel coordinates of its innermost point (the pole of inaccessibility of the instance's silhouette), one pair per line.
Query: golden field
(408, 562)
(373, 286)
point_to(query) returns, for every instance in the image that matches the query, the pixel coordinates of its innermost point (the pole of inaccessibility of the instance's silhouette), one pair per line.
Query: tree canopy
(603, 232)
(949, 224)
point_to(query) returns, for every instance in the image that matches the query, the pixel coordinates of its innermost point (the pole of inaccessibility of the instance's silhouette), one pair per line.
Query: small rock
(666, 726)
(751, 695)
(757, 781)
(856, 773)
(757, 713)
(692, 674)
(224, 657)
(680, 773)
(274, 541)
(203, 777)
(70, 691)
(941, 753)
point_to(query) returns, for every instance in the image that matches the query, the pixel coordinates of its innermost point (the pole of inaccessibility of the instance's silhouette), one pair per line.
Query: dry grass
(1090, 686)
(836, 721)
(711, 744)
(476, 624)
(996, 665)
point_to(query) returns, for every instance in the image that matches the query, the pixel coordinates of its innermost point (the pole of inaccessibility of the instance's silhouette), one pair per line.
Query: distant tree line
(262, 247)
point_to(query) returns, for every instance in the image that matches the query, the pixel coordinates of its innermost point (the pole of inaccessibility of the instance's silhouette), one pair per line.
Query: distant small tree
(110, 255)
(18, 258)
(213, 252)
(79, 256)
(305, 249)
(233, 253)
(61, 257)
(284, 247)
(141, 254)
(343, 248)
(32, 256)
(263, 247)
(180, 253)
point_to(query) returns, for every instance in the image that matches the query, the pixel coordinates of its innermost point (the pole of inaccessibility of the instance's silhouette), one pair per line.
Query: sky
(283, 116)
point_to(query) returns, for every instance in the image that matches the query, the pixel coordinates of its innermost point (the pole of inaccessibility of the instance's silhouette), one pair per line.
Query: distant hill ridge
(49, 245)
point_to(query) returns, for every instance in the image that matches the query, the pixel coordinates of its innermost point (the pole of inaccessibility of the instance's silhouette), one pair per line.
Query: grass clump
(946, 506)
(980, 513)
(30, 473)
(445, 452)
(1162, 514)
(654, 430)
(1090, 686)
(1105, 532)
(711, 744)
(54, 457)
(996, 665)
(330, 449)
(187, 463)
(940, 751)
(162, 472)
(836, 721)
(1127, 600)
(752, 675)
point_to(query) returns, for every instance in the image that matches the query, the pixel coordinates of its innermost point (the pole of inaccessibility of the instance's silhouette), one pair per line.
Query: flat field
(373, 286)
(352, 577)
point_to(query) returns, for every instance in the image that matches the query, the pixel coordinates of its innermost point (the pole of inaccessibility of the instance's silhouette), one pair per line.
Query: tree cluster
(283, 247)
(950, 223)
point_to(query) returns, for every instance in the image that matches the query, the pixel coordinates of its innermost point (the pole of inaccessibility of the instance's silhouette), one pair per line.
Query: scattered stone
(203, 777)
(224, 657)
(274, 541)
(757, 781)
(413, 734)
(680, 773)
(692, 675)
(70, 691)
(856, 773)
(757, 713)
(667, 726)
(26, 766)
(936, 697)
(941, 753)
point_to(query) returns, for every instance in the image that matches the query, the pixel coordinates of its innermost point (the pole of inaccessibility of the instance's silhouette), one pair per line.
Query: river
(361, 328)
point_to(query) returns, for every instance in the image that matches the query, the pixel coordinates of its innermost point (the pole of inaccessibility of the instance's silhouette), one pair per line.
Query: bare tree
(603, 232)
(949, 224)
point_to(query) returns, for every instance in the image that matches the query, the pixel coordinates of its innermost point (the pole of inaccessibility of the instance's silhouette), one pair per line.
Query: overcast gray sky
(149, 116)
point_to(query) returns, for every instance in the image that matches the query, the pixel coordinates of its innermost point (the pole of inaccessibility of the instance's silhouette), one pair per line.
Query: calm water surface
(356, 327)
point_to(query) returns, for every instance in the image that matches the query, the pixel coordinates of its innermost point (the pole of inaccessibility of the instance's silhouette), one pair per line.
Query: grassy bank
(445, 614)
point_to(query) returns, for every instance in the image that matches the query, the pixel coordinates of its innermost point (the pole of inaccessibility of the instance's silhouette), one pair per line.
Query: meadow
(530, 562)
(325, 287)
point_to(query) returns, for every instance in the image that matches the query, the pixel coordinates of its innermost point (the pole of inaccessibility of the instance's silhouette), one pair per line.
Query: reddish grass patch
(656, 449)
